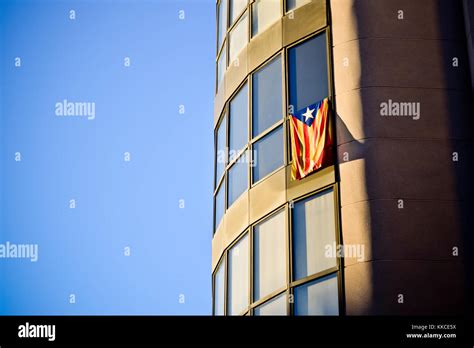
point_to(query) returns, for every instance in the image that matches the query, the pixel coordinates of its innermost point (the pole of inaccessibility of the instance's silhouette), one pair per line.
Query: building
(399, 194)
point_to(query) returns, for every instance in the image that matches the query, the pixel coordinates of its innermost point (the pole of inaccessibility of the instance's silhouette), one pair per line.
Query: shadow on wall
(415, 159)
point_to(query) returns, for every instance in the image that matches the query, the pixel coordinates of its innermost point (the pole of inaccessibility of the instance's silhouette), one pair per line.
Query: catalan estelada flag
(311, 139)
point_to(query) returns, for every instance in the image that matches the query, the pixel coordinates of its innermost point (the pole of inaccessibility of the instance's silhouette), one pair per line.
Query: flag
(311, 139)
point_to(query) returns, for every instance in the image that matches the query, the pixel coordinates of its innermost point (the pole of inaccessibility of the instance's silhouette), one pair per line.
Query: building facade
(397, 75)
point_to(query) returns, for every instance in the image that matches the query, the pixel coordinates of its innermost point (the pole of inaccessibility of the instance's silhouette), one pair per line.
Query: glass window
(268, 154)
(219, 204)
(269, 255)
(314, 230)
(292, 4)
(266, 96)
(264, 13)
(238, 38)
(319, 297)
(238, 179)
(221, 150)
(219, 289)
(238, 122)
(276, 306)
(238, 277)
(222, 22)
(221, 66)
(308, 77)
(236, 8)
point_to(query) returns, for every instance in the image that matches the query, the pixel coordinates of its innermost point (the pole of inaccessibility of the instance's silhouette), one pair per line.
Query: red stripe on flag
(307, 149)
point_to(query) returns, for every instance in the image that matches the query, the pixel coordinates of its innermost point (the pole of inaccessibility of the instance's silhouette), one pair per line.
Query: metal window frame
(251, 4)
(217, 181)
(233, 27)
(219, 264)
(231, 23)
(239, 238)
(281, 209)
(253, 139)
(214, 222)
(290, 283)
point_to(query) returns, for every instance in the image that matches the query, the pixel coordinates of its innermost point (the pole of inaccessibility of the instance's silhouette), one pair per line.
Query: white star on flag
(308, 114)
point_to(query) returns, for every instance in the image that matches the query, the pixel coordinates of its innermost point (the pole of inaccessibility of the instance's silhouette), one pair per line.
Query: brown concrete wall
(402, 196)
(468, 7)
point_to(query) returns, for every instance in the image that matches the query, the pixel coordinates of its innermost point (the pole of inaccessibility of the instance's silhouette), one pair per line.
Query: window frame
(217, 181)
(232, 27)
(282, 209)
(286, 209)
(270, 129)
(330, 67)
(232, 164)
(339, 270)
(222, 259)
(239, 238)
(231, 24)
(282, 14)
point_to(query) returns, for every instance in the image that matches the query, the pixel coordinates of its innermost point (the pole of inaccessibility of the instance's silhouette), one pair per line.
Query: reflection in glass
(269, 255)
(219, 204)
(238, 287)
(266, 96)
(268, 154)
(219, 290)
(276, 306)
(264, 13)
(292, 4)
(319, 297)
(236, 8)
(314, 232)
(221, 150)
(308, 74)
(222, 21)
(238, 180)
(238, 122)
(221, 66)
(238, 38)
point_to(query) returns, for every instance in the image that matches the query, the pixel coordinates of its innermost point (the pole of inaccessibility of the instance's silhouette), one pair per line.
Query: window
(219, 289)
(292, 4)
(319, 297)
(238, 179)
(221, 150)
(264, 13)
(238, 286)
(236, 8)
(238, 122)
(308, 74)
(266, 96)
(238, 38)
(268, 154)
(314, 229)
(221, 66)
(221, 22)
(276, 306)
(219, 204)
(269, 255)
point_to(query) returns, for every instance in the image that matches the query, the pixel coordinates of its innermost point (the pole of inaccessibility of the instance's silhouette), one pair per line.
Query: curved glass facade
(280, 262)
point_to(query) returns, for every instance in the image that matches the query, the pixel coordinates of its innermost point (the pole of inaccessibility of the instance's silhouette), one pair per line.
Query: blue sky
(118, 204)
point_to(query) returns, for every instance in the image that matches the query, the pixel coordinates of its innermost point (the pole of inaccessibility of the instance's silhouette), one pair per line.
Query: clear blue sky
(118, 203)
